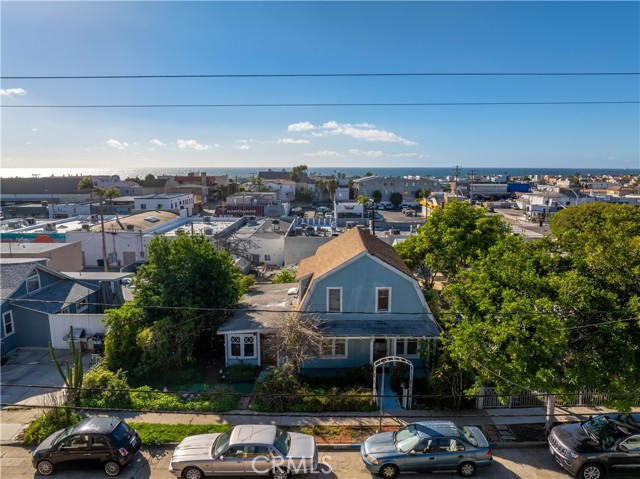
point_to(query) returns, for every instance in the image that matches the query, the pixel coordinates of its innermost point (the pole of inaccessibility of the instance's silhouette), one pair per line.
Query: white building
(285, 189)
(165, 202)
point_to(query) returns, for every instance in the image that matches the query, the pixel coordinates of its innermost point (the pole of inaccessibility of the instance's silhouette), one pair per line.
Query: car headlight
(371, 459)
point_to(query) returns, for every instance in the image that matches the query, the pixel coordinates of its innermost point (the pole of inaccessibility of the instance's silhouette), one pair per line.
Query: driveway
(31, 366)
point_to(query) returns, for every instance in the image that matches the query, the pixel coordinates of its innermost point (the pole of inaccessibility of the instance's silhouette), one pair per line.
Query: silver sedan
(243, 451)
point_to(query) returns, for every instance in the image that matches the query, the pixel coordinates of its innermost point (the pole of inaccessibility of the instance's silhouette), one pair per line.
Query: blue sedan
(427, 446)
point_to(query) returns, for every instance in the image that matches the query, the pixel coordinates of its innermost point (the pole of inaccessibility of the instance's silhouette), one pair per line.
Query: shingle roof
(13, 274)
(55, 297)
(346, 246)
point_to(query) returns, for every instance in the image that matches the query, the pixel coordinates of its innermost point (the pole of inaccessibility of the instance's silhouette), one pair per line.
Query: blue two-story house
(31, 294)
(366, 301)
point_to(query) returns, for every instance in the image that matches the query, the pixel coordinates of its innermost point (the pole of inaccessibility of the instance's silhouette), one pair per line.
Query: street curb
(494, 445)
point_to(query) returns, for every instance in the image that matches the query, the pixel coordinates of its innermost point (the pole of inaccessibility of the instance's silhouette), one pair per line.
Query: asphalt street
(516, 463)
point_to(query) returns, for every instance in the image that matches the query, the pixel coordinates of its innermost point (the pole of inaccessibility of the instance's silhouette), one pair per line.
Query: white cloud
(157, 142)
(242, 147)
(323, 153)
(302, 126)
(409, 155)
(118, 145)
(12, 91)
(192, 145)
(292, 141)
(36, 129)
(368, 154)
(359, 131)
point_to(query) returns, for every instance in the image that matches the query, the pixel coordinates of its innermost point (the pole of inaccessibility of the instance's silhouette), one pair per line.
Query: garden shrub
(334, 400)
(51, 421)
(220, 398)
(236, 371)
(110, 389)
(277, 391)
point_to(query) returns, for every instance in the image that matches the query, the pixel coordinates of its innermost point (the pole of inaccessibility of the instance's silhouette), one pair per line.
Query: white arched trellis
(386, 360)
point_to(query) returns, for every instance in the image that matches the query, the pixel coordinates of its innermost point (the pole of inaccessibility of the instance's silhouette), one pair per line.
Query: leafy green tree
(368, 173)
(377, 196)
(284, 276)
(298, 172)
(396, 198)
(135, 179)
(451, 239)
(527, 315)
(181, 297)
(150, 176)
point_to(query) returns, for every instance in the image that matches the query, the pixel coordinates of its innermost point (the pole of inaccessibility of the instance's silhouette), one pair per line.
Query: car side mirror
(412, 451)
(623, 448)
(221, 458)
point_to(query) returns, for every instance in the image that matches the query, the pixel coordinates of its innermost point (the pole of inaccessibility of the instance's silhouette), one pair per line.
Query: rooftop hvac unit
(208, 231)
(50, 227)
(86, 227)
(130, 227)
(207, 219)
(275, 225)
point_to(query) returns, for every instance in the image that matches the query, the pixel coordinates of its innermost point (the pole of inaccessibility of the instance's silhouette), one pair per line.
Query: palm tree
(332, 186)
(364, 201)
(87, 184)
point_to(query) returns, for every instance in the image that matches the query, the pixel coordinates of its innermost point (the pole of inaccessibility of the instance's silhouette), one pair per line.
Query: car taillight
(489, 454)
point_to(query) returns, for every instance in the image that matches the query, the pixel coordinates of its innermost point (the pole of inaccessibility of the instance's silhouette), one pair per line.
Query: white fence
(59, 326)
(488, 398)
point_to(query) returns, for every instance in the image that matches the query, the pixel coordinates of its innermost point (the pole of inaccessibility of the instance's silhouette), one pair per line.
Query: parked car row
(589, 450)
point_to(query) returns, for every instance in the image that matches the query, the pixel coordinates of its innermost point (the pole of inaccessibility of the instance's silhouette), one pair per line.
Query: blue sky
(165, 38)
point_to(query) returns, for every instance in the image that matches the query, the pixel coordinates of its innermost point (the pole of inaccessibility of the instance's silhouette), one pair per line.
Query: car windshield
(407, 438)
(221, 443)
(283, 441)
(602, 430)
(63, 434)
(468, 436)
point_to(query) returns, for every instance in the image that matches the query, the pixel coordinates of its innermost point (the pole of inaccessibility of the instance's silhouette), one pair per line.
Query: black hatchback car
(108, 441)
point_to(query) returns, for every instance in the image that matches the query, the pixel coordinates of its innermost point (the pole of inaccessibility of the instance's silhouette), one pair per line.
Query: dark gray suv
(603, 444)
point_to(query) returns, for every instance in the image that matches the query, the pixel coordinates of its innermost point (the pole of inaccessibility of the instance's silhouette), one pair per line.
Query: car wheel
(467, 469)
(279, 473)
(591, 471)
(192, 473)
(388, 471)
(112, 468)
(45, 468)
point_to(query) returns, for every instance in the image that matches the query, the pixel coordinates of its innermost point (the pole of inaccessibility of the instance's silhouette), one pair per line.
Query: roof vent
(130, 227)
(292, 291)
(86, 226)
(152, 219)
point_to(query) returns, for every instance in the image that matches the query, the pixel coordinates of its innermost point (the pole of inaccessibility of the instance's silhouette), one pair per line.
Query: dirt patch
(528, 432)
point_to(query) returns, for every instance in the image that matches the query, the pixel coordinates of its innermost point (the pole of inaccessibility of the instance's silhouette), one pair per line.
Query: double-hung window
(242, 346)
(383, 300)
(334, 300)
(333, 348)
(407, 347)
(33, 282)
(7, 323)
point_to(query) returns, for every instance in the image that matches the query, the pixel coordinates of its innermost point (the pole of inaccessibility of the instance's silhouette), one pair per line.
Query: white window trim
(33, 275)
(4, 324)
(333, 354)
(242, 355)
(328, 309)
(380, 310)
(404, 340)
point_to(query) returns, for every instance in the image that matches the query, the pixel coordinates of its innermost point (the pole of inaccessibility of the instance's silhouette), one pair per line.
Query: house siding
(359, 282)
(8, 342)
(358, 351)
(32, 328)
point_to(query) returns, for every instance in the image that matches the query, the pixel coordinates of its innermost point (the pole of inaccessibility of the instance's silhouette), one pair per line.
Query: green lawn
(158, 434)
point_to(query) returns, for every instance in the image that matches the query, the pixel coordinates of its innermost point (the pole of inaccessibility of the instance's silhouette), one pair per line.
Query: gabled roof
(13, 273)
(53, 298)
(345, 247)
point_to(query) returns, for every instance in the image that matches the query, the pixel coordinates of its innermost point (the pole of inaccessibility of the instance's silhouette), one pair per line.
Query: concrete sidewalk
(13, 421)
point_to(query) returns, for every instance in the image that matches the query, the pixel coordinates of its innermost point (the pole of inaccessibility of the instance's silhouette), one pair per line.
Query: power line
(312, 75)
(313, 105)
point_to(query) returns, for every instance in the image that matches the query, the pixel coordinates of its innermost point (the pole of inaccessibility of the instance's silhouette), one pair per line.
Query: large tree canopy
(451, 239)
(557, 315)
(180, 298)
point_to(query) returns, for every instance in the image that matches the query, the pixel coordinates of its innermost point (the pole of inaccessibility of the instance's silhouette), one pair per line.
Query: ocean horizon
(248, 172)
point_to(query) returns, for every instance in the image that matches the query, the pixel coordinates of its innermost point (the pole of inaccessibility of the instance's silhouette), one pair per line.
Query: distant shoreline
(325, 171)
